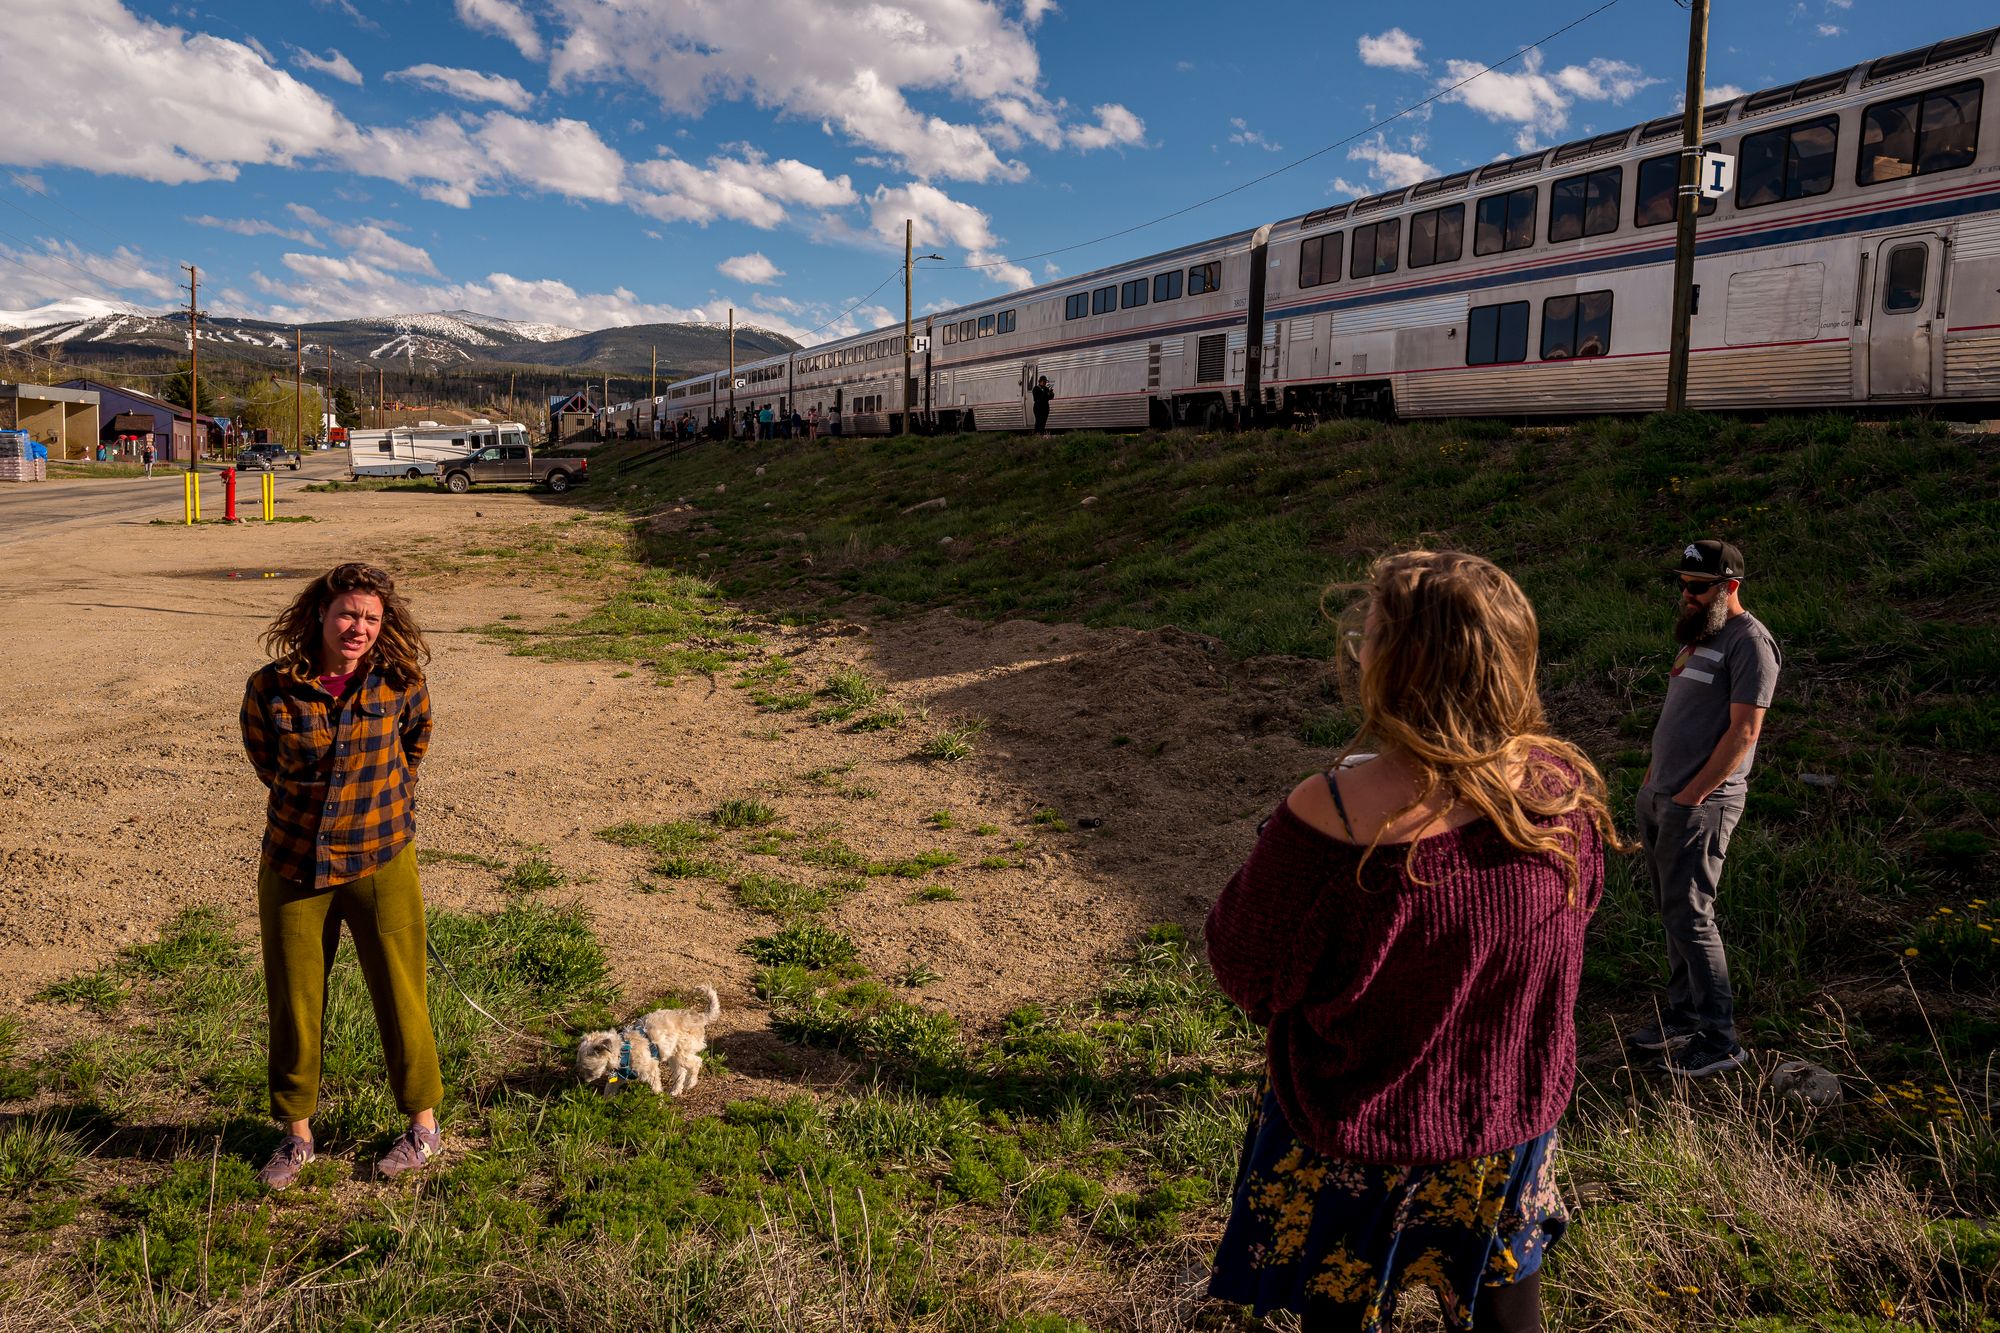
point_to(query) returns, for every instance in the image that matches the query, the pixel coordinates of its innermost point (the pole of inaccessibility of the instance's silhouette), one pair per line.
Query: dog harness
(625, 1071)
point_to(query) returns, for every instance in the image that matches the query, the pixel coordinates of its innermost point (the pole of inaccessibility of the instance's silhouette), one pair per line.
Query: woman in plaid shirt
(336, 725)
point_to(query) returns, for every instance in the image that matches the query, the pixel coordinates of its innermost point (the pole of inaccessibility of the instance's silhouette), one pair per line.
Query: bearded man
(1692, 800)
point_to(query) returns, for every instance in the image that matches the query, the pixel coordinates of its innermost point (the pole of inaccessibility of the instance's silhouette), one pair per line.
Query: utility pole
(381, 401)
(1687, 202)
(298, 393)
(654, 391)
(194, 371)
(326, 409)
(732, 372)
(512, 411)
(909, 228)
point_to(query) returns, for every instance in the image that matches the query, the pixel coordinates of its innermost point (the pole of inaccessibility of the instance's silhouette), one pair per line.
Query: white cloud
(1394, 49)
(451, 161)
(188, 107)
(752, 268)
(62, 271)
(1391, 168)
(333, 64)
(258, 227)
(1830, 30)
(746, 189)
(852, 68)
(370, 244)
(502, 18)
(28, 180)
(468, 85)
(1538, 101)
(1839, 4)
(938, 219)
(1342, 185)
(1115, 127)
(1241, 133)
(1034, 11)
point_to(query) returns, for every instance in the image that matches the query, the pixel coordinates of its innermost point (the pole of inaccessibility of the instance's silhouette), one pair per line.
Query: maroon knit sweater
(1410, 1023)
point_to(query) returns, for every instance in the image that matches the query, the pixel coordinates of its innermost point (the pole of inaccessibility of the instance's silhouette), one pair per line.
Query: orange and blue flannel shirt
(342, 772)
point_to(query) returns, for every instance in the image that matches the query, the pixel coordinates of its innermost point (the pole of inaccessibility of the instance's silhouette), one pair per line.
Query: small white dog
(637, 1052)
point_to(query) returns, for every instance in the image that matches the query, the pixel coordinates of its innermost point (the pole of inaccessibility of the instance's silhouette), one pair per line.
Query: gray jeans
(1684, 848)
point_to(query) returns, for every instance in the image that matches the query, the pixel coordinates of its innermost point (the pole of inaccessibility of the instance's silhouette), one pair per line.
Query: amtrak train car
(1856, 260)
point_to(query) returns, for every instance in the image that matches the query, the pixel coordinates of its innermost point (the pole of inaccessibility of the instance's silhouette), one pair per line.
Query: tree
(175, 390)
(270, 405)
(346, 408)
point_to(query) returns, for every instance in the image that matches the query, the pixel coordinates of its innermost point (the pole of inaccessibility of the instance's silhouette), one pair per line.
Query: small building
(131, 418)
(63, 418)
(570, 415)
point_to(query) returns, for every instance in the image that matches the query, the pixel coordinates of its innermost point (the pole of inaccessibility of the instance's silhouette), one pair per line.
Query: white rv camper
(415, 451)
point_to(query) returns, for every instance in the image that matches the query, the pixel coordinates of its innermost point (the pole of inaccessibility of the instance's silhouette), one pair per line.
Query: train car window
(950, 334)
(1007, 321)
(1132, 293)
(1505, 222)
(1167, 286)
(1374, 250)
(1935, 130)
(1585, 205)
(1437, 236)
(1076, 305)
(1576, 326)
(1319, 260)
(987, 325)
(1497, 334)
(1790, 162)
(1205, 278)
(1903, 278)
(1104, 300)
(1659, 178)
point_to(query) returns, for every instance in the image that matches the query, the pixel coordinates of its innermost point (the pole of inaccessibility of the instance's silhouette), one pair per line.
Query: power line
(1296, 162)
(893, 274)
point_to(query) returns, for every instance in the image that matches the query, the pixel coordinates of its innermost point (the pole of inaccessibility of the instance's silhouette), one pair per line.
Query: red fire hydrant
(229, 495)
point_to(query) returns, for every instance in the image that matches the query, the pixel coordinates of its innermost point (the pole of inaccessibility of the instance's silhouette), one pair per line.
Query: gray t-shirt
(1737, 666)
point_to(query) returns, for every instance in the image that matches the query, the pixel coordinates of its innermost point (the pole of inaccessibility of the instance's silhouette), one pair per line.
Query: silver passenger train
(1856, 261)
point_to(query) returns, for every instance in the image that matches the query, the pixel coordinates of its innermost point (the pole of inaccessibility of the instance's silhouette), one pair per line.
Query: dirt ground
(125, 795)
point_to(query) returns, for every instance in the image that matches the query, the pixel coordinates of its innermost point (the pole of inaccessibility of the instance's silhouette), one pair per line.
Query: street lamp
(909, 403)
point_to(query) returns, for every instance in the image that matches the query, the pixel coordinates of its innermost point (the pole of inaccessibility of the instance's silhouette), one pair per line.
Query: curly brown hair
(399, 652)
(1450, 686)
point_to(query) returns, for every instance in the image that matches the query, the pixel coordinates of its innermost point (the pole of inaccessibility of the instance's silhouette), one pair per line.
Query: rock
(1819, 779)
(1804, 1081)
(720, 487)
(760, 471)
(944, 541)
(936, 503)
(1086, 502)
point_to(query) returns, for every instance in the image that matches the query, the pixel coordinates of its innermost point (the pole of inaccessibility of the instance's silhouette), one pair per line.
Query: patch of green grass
(38, 1156)
(918, 975)
(892, 718)
(98, 991)
(1049, 821)
(742, 812)
(935, 893)
(912, 867)
(848, 691)
(952, 741)
(430, 856)
(671, 623)
(994, 863)
(940, 819)
(802, 943)
(533, 875)
(985, 830)
(783, 898)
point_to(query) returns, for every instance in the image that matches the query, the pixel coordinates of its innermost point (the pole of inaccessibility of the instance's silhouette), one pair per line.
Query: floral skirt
(1323, 1236)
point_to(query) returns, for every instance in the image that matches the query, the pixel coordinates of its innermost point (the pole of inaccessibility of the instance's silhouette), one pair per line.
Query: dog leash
(462, 994)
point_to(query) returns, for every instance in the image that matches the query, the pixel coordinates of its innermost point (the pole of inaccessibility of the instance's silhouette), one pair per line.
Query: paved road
(28, 508)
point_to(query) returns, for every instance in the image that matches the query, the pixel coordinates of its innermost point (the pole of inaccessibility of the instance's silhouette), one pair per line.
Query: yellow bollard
(187, 497)
(270, 496)
(194, 492)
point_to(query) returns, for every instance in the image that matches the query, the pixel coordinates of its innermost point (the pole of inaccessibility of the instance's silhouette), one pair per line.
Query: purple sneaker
(410, 1151)
(290, 1158)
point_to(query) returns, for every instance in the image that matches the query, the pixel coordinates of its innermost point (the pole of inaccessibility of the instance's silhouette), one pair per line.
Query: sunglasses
(1700, 587)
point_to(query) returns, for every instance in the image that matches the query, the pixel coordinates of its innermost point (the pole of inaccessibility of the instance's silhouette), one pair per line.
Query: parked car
(510, 462)
(266, 457)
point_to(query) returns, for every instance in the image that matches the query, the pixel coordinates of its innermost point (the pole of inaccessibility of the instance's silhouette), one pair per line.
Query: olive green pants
(301, 928)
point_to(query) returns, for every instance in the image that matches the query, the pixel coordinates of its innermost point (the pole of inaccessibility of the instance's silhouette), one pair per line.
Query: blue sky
(598, 162)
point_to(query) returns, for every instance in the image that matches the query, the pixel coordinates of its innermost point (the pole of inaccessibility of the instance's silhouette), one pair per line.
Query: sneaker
(290, 1158)
(410, 1151)
(1705, 1055)
(1659, 1036)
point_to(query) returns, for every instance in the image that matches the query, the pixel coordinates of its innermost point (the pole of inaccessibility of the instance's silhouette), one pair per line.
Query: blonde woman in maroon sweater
(1410, 930)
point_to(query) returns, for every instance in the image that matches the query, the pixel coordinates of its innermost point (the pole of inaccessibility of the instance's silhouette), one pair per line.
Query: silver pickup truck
(509, 463)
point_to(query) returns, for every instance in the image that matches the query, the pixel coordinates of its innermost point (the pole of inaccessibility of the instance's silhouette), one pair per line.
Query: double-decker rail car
(1856, 260)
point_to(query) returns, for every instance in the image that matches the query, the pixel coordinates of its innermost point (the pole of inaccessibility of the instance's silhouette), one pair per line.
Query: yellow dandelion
(1688, 1291)
(1944, 911)
(1909, 953)
(1983, 926)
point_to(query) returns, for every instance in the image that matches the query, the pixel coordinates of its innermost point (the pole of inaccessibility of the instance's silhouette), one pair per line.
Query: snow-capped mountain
(86, 331)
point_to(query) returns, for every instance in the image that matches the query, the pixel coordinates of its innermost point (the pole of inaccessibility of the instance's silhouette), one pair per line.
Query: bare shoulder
(1312, 801)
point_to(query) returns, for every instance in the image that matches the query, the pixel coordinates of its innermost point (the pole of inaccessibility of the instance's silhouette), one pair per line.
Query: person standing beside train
(1043, 396)
(1692, 800)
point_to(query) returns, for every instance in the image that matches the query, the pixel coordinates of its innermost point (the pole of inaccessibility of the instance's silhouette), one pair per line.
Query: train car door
(1901, 334)
(1028, 374)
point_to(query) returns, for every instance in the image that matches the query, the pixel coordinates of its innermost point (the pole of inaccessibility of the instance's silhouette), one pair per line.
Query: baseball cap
(1711, 559)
